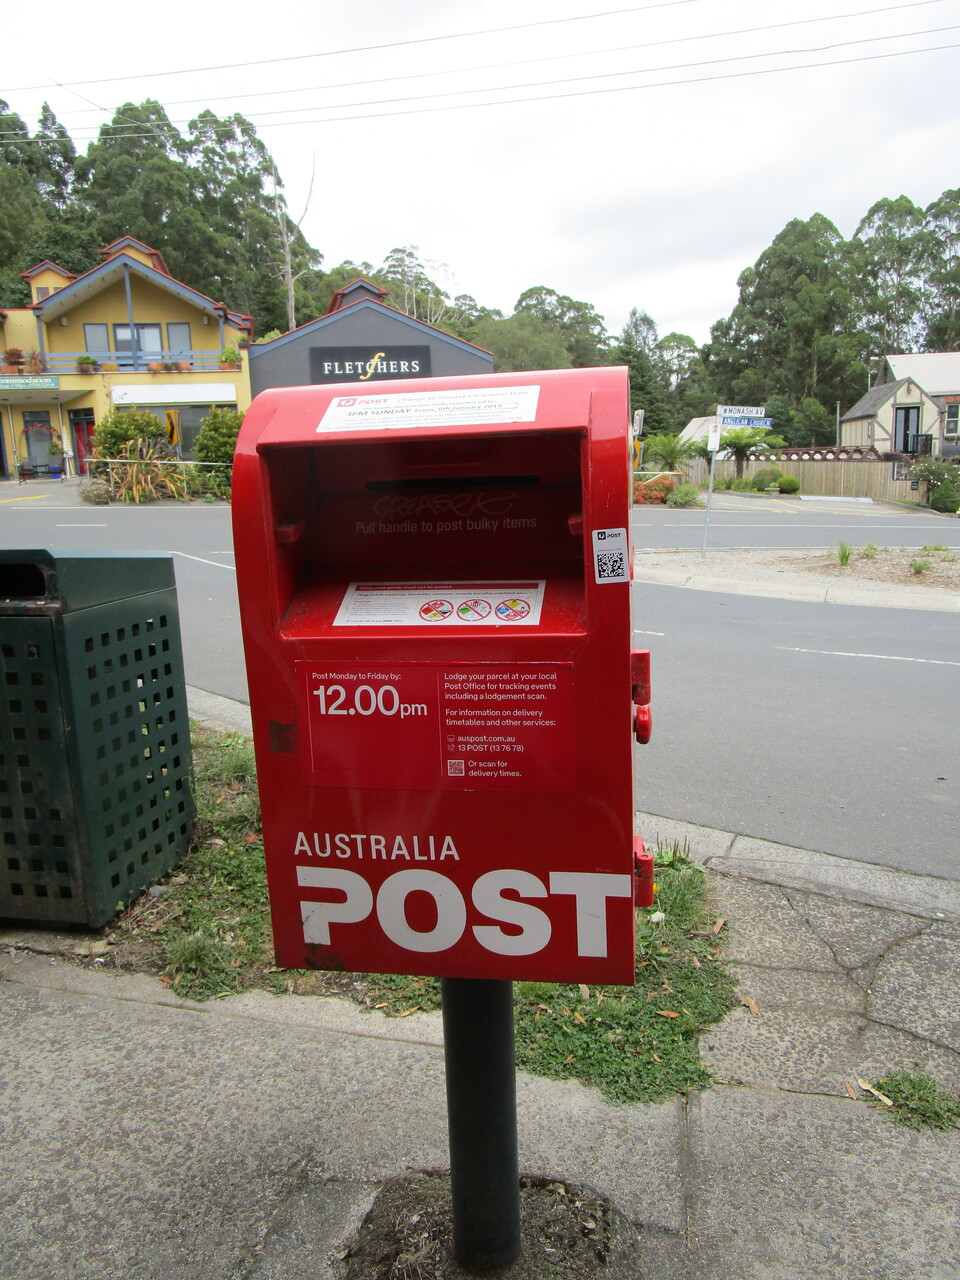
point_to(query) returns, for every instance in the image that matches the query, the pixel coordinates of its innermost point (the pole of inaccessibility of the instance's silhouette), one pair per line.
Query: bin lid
(38, 581)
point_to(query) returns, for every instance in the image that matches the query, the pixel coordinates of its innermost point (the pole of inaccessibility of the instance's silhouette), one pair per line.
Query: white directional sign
(740, 411)
(746, 422)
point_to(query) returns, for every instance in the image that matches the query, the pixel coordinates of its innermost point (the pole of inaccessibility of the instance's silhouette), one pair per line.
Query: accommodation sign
(368, 364)
(30, 382)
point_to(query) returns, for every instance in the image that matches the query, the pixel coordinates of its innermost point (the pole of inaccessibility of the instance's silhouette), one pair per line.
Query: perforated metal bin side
(95, 764)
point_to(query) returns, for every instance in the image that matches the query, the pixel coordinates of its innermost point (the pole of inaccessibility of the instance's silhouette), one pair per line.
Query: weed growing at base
(919, 1101)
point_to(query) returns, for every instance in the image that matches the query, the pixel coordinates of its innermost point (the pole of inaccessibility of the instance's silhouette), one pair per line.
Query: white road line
(86, 524)
(884, 657)
(200, 560)
(649, 633)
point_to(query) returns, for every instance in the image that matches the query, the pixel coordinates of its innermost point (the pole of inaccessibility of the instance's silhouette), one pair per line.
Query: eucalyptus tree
(583, 329)
(889, 256)
(793, 329)
(942, 304)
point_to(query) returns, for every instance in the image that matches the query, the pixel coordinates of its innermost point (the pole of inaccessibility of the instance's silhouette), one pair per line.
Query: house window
(950, 425)
(95, 339)
(43, 291)
(149, 338)
(178, 338)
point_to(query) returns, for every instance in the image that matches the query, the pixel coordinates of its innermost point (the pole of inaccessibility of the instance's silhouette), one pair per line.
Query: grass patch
(635, 1044)
(919, 1101)
(844, 552)
(207, 934)
(920, 566)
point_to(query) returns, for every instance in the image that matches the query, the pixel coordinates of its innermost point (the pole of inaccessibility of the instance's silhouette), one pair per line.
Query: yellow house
(124, 334)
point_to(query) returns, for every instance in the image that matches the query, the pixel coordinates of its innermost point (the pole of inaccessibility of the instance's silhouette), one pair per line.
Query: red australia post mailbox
(434, 591)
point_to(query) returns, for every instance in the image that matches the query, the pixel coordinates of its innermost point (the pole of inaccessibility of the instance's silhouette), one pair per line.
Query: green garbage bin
(95, 763)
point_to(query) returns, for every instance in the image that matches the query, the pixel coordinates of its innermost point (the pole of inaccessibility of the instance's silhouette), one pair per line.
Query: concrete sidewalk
(245, 1139)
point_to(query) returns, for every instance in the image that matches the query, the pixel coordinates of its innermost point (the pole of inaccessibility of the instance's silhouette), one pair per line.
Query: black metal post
(482, 1120)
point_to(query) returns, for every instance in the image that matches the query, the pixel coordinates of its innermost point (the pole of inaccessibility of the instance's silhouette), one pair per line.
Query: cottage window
(950, 426)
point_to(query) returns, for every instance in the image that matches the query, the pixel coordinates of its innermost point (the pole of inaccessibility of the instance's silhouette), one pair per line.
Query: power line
(393, 44)
(556, 57)
(120, 132)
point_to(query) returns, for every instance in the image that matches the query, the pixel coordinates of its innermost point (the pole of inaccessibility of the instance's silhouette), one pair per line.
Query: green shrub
(844, 552)
(789, 484)
(217, 437)
(117, 428)
(684, 495)
(945, 497)
(765, 477)
(743, 485)
(723, 482)
(935, 471)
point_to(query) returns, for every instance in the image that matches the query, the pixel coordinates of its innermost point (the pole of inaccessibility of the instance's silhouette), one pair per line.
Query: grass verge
(206, 931)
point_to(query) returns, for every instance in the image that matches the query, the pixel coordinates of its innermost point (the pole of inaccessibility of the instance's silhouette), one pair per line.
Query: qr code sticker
(455, 768)
(609, 565)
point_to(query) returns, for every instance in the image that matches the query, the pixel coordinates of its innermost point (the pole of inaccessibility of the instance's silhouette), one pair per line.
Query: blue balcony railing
(62, 362)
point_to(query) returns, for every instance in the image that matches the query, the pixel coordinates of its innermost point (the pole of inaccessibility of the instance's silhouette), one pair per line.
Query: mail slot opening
(22, 581)
(384, 511)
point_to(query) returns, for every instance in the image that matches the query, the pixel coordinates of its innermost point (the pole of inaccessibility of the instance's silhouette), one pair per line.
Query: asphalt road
(737, 520)
(825, 727)
(820, 726)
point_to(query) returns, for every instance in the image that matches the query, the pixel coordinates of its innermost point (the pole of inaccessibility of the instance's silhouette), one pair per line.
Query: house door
(906, 425)
(37, 436)
(81, 420)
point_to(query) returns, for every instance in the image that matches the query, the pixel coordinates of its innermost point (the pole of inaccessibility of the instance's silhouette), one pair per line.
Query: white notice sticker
(473, 406)
(441, 604)
(611, 555)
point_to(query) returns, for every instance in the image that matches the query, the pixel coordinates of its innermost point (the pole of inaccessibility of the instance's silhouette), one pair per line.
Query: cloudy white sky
(628, 156)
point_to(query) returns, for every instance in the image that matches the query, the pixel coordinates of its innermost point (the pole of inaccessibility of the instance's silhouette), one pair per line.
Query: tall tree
(889, 254)
(646, 390)
(942, 311)
(412, 287)
(792, 330)
(521, 342)
(583, 329)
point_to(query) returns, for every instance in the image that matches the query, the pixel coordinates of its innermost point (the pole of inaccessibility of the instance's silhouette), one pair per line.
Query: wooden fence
(852, 478)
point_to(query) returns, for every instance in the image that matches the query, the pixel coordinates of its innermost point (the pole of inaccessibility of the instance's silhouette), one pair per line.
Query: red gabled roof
(367, 288)
(46, 263)
(125, 242)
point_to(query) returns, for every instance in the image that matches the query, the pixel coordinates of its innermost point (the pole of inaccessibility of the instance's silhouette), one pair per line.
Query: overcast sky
(628, 156)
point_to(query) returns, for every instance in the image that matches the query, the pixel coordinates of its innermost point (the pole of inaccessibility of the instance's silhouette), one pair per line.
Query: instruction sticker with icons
(441, 604)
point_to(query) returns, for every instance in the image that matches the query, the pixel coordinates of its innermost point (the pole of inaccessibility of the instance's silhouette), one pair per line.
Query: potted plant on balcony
(230, 358)
(86, 364)
(13, 359)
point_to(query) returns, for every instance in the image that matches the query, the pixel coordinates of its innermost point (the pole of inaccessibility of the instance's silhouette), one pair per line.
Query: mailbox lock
(643, 725)
(643, 873)
(640, 694)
